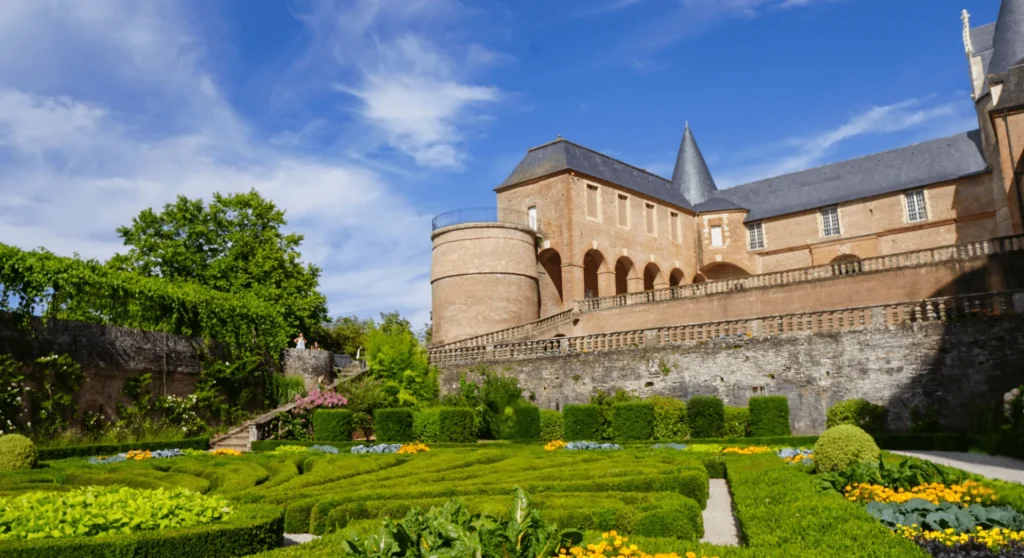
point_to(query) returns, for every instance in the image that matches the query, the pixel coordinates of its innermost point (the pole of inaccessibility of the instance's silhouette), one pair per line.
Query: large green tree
(235, 244)
(395, 356)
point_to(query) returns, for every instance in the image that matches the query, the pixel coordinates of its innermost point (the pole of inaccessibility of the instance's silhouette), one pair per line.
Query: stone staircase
(241, 437)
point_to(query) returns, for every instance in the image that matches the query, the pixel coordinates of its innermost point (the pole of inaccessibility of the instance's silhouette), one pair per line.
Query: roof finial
(966, 18)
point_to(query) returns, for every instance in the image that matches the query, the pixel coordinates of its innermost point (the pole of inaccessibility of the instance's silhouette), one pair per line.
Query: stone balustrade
(930, 256)
(941, 309)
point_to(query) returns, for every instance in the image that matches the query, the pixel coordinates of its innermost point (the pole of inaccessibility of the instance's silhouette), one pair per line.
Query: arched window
(676, 278)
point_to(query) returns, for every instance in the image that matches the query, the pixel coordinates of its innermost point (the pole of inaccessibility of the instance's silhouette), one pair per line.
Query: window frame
(922, 210)
(588, 186)
(621, 199)
(673, 226)
(721, 236)
(759, 227)
(653, 229)
(824, 222)
(531, 217)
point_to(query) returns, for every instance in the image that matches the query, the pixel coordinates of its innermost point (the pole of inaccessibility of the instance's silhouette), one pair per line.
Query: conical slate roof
(1008, 40)
(691, 177)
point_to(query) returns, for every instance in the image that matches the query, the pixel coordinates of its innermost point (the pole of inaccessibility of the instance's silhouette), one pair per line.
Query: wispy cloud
(608, 6)
(925, 117)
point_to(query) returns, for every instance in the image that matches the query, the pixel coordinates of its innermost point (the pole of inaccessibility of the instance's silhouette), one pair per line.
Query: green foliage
(552, 425)
(395, 356)
(737, 422)
(526, 422)
(582, 422)
(669, 418)
(11, 394)
(332, 425)
(345, 334)
(457, 425)
(426, 425)
(16, 453)
(841, 446)
(95, 511)
(947, 515)
(924, 419)
(393, 425)
(285, 389)
(365, 395)
(906, 475)
(633, 420)
(55, 380)
(64, 452)
(452, 531)
(769, 416)
(869, 417)
(236, 244)
(681, 522)
(605, 401)
(706, 415)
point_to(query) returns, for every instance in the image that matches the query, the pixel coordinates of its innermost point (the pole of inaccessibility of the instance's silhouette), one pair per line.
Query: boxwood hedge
(706, 414)
(49, 454)
(769, 416)
(526, 424)
(633, 420)
(332, 425)
(393, 425)
(582, 422)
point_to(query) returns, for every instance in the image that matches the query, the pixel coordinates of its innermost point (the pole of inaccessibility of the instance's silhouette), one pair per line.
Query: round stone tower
(483, 273)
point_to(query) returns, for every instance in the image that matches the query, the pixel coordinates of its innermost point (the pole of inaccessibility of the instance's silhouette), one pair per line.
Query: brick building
(575, 230)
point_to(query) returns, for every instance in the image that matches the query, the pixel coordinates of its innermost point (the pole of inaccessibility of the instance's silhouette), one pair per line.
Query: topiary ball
(16, 453)
(841, 446)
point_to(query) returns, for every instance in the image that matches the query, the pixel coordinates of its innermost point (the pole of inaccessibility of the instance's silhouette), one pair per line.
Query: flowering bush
(969, 492)
(379, 448)
(554, 445)
(750, 450)
(319, 400)
(995, 539)
(415, 447)
(298, 423)
(591, 446)
(324, 449)
(219, 451)
(612, 545)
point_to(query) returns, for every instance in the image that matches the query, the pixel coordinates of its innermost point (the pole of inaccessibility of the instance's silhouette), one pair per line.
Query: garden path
(292, 539)
(992, 466)
(719, 522)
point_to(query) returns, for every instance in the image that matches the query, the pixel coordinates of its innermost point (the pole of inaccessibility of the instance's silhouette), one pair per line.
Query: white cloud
(935, 120)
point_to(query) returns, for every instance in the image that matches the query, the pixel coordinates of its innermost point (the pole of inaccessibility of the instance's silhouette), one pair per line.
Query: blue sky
(364, 118)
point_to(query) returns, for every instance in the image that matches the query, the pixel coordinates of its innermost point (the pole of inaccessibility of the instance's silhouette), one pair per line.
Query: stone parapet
(314, 366)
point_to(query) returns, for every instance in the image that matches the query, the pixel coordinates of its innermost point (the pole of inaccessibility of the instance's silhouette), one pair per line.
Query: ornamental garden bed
(650, 498)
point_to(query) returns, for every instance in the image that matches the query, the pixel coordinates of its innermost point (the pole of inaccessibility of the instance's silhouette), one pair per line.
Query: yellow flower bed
(224, 451)
(750, 450)
(138, 455)
(970, 492)
(798, 458)
(554, 445)
(415, 447)
(612, 545)
(992, 538)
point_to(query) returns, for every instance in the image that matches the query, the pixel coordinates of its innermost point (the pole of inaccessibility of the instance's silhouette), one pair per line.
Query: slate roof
(981, 41)
(691, 176)
(1013, 89)
(561, 155)
(1008, 38)
(909, 167)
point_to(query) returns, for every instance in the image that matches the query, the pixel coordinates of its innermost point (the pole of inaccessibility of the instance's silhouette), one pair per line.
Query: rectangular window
(673, 223)
(532, 215)
(916, 210)
(716, 237)
(755, 236)
(830, 221)
(623, 211)
(592, 201)
(649, 217)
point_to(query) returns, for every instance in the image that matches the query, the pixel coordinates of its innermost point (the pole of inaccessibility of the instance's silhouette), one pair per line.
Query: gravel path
(719, 522)
(991, 466)
(292, 539)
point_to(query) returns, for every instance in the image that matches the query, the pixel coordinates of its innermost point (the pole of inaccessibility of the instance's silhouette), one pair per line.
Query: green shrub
(456, 425)
(669, 418)
(50, 454)
(769, 416)
(16, 453)
(715, 468)
(582, 422)
(426, 425)
(633, 420)
(869, 417)
(841, 446)
(681, 522)
(393, 425)
(706, 415)
(332, 425)
(737, 422)
(526, 424)
(552, 425)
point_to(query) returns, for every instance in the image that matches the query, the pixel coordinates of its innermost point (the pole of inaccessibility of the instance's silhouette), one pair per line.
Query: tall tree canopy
(235, 244)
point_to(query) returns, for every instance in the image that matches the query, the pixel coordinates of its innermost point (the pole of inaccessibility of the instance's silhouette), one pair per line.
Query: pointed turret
(691, 176)
(1008, 42)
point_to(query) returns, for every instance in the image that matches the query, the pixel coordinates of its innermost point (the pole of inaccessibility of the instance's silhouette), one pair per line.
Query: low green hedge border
(633, 420)
(332, 424)
(769, 416)
(50, 454)
(582, 422)
(925, 442)
(706, 415)
(526, 425)
(271, 445)
(393, 425)
(249, 530)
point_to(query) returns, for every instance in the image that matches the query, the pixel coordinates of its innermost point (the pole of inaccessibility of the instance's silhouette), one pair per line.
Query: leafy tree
(346, 334)
(233, 245)
(395, 355)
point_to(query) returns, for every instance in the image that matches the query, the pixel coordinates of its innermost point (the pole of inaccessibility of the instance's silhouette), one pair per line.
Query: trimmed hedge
(249, 529)
(871, 418)
(393, 425)
(17, 453)
(769, 416)
(332, 425)
(50, 454)
(552, 425)
(669, 418)
(457, 425)
(737, 422)
(633, 420)
(582, 422)
(924, 442)
(426, 425)
(526, 423)
(706, 415)
(844, 445)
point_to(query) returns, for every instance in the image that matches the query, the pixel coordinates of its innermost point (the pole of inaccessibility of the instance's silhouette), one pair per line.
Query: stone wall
(953, 367)
(313, 365)
(108, 356)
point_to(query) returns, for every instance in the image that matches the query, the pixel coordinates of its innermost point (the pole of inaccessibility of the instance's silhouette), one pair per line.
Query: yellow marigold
(554, 445)
(225, 451)
(138, 455)
(415, 447)
(750, 450)
(612, 545)
(994, 538)
(967, 493)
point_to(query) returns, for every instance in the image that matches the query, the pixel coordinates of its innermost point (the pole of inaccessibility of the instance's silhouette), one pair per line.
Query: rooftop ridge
(596, 152)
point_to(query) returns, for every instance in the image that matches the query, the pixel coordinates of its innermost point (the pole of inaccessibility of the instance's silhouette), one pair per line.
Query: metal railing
(484, 215)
